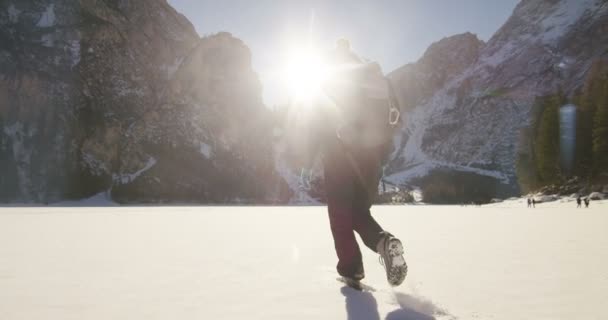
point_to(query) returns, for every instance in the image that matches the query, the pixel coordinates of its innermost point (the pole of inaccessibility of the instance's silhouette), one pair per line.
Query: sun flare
(305, 74)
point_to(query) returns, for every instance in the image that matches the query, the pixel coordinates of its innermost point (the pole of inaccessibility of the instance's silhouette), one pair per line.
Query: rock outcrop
(441, 62)
(124, 97)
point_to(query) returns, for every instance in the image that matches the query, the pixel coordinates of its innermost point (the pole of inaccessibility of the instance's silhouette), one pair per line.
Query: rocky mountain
(441, 61)
(466, 102)
(122, 96)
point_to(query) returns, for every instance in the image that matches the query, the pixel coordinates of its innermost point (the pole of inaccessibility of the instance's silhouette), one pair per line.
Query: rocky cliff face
(123, 96)
(465, 111)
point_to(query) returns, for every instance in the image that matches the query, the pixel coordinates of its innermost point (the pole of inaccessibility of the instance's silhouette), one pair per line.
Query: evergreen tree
(586, 107)
(526, 173)
(547, 140)
(525, 165)
(538, 162)
(600, 130)
(583, 158)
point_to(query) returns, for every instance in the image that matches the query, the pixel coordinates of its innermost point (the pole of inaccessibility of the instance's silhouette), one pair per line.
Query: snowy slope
(278, 263)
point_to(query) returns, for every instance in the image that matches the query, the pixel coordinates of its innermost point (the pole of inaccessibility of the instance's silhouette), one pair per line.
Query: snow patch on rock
(596, 196)
(130, 177)
(22, 154)
(13, 14)
(47, 19)
(97, 167)
(124, 88)
(74, 48)
(101, 199)
(206, 150)
(546, 198)
(498, 57)
(422, 169)
(565, 14)
(172, 69)
(410, 173)
(47, 40)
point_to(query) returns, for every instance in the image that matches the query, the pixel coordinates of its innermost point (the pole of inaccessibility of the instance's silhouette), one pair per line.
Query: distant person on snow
(353, 132)
(529, 203)
(587, 202)
(578, 202)
(533, 203)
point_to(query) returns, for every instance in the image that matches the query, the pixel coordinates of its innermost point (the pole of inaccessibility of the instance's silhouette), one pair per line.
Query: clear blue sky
(392, 32)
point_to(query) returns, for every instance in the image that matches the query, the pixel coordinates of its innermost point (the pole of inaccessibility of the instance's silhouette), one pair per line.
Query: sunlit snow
(491, 262)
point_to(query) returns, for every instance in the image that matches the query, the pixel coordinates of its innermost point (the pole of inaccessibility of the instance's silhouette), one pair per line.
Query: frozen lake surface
(278, 263)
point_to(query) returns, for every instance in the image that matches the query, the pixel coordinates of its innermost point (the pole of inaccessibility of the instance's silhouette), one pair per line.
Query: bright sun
(305, 75)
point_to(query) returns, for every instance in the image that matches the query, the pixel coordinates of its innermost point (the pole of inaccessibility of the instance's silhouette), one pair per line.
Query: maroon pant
(351, 183)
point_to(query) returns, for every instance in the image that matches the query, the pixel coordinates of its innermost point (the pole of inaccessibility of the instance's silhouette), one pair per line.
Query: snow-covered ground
(491, 262)
(563, 203)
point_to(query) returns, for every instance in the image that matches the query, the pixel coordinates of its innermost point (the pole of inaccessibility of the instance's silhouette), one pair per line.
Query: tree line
(538, 161)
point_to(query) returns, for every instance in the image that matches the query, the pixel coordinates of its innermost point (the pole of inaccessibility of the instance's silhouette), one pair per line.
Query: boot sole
(398, 271)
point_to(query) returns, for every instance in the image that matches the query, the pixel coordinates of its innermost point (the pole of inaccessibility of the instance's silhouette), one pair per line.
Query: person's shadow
(360, 305)
(414, 308)
(363, 306)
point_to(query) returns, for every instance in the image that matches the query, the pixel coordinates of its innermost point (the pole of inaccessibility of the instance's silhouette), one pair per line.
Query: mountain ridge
(472, 122)
(124, 97)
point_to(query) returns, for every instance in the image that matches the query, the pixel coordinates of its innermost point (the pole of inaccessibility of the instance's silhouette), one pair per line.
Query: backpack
(365, 104)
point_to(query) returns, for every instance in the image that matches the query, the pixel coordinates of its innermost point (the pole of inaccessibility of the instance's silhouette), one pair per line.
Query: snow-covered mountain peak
(538, 22)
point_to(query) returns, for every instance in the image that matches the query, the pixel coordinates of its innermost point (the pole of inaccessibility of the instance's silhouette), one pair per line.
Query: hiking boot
(391, 257)
(353, 283)
(359, 276)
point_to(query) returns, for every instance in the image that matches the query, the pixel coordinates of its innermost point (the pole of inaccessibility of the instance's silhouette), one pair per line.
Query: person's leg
(339, 187)
(366, 226)
(350, 262)
(366, 190)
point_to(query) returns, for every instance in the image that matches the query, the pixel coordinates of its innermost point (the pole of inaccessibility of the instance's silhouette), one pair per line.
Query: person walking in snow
(352, 161)
(529, 203)
(533, 203)
(356, 129)
(587, 202)
(578, 202)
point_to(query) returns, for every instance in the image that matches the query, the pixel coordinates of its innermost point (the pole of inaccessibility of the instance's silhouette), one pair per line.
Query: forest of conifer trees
(538, 162)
